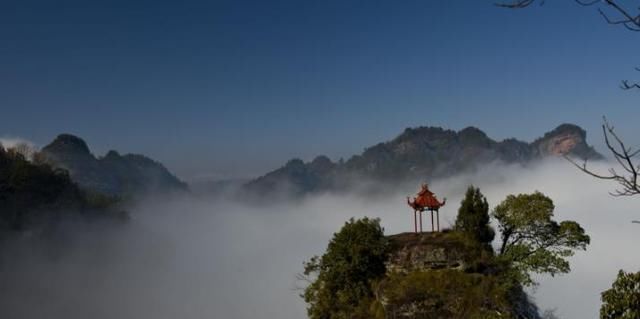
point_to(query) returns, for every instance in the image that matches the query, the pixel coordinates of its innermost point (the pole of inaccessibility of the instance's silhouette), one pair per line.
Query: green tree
(33, 194)
(448, 293)
(622, 301)
(473, 216)
(344, 275)
(531, 241)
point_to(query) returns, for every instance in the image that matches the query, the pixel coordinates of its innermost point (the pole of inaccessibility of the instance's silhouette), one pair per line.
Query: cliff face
(113, 174)
(428, 251)
(444, 275)
(423, 152)
(566, 139)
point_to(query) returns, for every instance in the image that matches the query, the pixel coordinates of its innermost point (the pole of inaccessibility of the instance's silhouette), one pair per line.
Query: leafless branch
(628, 182)
(517, 4)
(304, 279)
(627, 19)
(626, 85)
(619, 15)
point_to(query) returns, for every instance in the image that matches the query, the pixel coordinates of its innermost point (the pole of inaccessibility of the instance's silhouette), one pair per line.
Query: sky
(219, 89)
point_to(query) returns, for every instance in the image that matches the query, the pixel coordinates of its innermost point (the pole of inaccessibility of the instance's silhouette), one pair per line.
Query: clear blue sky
(235, 88)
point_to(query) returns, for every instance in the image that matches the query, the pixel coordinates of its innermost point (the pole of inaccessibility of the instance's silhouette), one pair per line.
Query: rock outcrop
(446, 275)
(427, 251)
(566, 139)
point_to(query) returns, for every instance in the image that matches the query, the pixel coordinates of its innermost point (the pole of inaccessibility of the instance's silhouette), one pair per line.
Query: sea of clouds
(210, 257)
(9, 142)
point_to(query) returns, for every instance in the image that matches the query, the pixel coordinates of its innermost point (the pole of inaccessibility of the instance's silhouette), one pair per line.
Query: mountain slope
(423, 152)
(113, 174)
(35, 196)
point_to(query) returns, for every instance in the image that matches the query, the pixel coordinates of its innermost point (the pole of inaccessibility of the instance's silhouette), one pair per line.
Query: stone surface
(426, 251)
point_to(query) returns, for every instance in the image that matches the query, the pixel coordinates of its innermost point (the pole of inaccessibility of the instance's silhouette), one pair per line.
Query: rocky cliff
(444, 275)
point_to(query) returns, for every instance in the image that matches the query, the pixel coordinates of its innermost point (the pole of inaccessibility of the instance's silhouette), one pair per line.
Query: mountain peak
(67, 143)
(472, 131)
(566, 139)
(567, 128)
(424, 152)
(113, 174)
(112, 154)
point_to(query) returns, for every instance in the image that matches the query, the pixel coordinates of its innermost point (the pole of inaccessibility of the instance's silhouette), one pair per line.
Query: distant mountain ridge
(422, 152)
(113, 174)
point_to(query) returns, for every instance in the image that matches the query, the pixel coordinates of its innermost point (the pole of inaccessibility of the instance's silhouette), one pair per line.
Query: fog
(199, 257)
(9, 142)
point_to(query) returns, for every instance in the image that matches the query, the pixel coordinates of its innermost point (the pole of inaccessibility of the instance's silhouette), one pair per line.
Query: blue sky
(235, 88)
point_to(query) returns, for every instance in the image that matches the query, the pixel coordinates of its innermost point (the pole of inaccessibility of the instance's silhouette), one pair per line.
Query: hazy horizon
(212, 174)
(218, 87)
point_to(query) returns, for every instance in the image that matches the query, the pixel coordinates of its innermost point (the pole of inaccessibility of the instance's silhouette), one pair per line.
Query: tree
(355, 258)
(622, 301)
(531, 241)
(24, 149)
(473, 217)
(625, 156)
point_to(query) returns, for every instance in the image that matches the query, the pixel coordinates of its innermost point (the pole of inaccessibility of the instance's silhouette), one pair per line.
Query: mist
(200, 257)
(10, 142)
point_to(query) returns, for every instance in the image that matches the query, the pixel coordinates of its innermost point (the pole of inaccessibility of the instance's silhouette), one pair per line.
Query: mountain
(35, 197)
(423, 152)
(113, 174)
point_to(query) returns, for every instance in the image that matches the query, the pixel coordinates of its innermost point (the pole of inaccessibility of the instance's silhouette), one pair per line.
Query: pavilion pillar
(432, 225)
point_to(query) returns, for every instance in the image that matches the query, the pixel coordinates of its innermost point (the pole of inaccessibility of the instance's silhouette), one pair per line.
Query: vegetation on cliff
(473, 217)
(354, 259)
(452, 274)
(531, 241)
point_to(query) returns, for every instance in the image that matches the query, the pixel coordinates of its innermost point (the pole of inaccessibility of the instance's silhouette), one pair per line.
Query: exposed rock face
(423, 152)
(426, 251)
(112, 174)
(446, 276)
(566, 139)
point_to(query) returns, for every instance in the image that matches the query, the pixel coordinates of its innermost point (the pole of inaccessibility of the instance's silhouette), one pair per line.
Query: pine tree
(473, 216)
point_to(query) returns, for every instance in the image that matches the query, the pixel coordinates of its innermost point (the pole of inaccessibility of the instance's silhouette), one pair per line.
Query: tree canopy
(531, 241)
(33, 193)
(354, 258)
(473, 217)
(622, 301)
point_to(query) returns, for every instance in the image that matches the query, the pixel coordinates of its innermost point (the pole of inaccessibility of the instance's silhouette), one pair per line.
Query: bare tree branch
(624, 17)
(630, 21)
(517, 5)
(628, 182)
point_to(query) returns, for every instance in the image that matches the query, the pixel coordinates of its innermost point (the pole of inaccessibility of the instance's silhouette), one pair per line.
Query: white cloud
(212, 258)
(9, 142)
